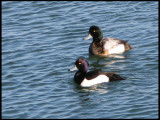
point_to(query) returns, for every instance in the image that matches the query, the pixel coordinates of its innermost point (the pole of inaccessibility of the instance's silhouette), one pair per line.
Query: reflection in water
(123, 55)
(99, 62)
(119, 56)
(110, 63)
(86, 95)
(96, 89)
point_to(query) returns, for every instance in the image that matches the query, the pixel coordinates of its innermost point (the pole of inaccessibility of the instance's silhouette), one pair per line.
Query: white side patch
(110, 43)
(117, 49)
(97, 80)
(113, 46)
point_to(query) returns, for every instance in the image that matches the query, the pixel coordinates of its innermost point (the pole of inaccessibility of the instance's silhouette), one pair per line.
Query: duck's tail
(114, 77)
(132, 47)
(128, 47)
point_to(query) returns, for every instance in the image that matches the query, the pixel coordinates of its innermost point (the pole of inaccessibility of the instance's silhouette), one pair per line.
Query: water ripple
(41, 41)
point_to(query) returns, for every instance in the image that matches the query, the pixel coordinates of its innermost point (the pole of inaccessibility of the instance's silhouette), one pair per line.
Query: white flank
(113, 46)
(110, 43)
(118, 49)
(97, 80)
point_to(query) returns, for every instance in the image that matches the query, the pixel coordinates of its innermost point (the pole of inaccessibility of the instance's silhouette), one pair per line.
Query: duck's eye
(79, 63)
(94, 30)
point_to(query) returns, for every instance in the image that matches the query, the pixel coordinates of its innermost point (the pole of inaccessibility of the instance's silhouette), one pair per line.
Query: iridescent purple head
(81, 64)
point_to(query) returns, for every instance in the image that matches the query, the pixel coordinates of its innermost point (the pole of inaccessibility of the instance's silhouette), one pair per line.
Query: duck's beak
(87, 37)
(73, 68)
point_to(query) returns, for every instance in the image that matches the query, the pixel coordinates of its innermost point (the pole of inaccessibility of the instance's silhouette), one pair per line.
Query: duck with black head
(88, 79)
(105, 46)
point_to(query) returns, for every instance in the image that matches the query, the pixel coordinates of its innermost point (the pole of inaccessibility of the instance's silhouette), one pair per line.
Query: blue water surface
(42, 39)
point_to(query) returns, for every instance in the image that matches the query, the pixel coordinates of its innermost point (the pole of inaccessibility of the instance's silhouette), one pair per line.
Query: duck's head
(81, 64)
(96, 33)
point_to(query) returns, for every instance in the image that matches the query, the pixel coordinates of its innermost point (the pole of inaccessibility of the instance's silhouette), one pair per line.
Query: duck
(105, 46)
(87, 79)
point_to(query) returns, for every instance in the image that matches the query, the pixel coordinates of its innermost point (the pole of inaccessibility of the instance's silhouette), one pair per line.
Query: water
(42, 39)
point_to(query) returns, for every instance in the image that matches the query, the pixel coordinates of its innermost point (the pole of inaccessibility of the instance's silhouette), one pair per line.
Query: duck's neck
(79, 77)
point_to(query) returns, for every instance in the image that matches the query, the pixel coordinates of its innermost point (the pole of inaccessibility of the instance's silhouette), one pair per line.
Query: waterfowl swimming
(105, 46)
(87, 79)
